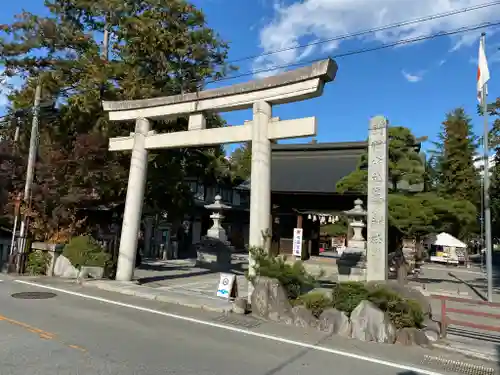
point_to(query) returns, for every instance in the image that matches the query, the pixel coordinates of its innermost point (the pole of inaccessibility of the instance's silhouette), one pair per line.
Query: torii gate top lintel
(299, 84)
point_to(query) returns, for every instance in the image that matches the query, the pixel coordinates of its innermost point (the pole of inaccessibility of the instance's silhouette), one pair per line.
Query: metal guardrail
(446, 321)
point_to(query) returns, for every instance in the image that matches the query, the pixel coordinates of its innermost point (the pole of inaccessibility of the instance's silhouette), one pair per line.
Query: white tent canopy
(445, 239)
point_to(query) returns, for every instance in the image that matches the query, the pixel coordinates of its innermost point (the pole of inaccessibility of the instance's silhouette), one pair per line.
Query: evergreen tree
(458, 178)
(495, 181)
(156, 48)
(241, 161)
(406, 166)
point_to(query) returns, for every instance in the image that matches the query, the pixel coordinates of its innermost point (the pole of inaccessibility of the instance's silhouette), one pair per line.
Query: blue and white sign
(297, 242)
(226, 284)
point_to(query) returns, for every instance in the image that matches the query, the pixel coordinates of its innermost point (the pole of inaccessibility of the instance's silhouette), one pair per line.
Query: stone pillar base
(213, 253)
(352, 265)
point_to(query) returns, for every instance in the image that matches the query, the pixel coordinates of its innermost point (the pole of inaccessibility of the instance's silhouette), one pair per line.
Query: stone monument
(352, 263)
(378, 175)
(214, 249)
(260, 95)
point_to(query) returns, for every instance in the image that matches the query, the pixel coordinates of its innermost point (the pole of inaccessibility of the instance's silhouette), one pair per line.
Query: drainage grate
(457, 366)
(34, 295)
(245, 322)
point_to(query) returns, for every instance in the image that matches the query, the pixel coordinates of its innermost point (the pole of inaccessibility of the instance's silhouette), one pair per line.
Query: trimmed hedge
(293, 277)
(403, 312)
(85, 251)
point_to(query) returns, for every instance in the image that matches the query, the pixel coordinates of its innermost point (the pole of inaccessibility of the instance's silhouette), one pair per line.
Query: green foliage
(336, 229)
(293, 277)
(346, 296)
(316, 302)
(458, 177)
(406, 167)
(85, 251)
(241, 161)
(157, 48)
(495, 173)
(38, 262)
(402, 312)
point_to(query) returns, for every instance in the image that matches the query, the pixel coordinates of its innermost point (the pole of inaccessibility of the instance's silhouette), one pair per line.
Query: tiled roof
(313, 168)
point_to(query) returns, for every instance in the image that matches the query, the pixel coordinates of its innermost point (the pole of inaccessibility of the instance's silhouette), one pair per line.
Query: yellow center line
(40, 332)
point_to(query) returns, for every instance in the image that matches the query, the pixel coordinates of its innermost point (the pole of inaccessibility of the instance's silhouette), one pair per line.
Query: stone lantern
(352, 263)
(214, 250)
(217, 231)
(357, 216)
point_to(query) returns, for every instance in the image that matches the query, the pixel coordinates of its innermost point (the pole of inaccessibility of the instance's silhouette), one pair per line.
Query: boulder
(407, 292)
(432, 330)
(91, 271)
(270, 301)
(369, 323)
(302, 317)
(412, 336)
(64, 268)
(335, 322)
(240, 305)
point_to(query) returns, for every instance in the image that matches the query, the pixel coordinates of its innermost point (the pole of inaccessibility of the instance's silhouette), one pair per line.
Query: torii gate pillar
(261, 95)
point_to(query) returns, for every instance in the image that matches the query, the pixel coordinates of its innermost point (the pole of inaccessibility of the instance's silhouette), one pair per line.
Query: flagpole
(486, 187)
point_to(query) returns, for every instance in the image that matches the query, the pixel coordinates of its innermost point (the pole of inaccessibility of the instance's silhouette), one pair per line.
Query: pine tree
(156, 48)
(458, 178)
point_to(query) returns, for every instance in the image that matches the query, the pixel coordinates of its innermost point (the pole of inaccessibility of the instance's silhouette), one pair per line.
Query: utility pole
(30, 173)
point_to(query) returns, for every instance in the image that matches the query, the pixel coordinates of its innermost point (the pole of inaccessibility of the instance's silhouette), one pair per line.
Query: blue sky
(413, 85)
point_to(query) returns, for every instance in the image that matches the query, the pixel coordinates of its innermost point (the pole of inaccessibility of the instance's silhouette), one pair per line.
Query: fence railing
(447, 321)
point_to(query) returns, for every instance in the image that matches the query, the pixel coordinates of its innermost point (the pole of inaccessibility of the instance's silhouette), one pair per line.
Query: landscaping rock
(93, 272)
(432, 330)
(64, 268)
(240, 305)
(412, 336)
(304, 318)
(369, 323)
(408, 292)
(270, 301)
(335, 322)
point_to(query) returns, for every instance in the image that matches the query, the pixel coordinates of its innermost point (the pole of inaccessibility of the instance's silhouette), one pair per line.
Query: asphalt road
(68, 334)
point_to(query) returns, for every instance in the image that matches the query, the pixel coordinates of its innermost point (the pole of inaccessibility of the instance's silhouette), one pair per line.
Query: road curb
(136, 292)
(466, 352)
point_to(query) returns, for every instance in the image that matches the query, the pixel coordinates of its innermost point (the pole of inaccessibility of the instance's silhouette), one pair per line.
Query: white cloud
(413, 78)
(305, 20)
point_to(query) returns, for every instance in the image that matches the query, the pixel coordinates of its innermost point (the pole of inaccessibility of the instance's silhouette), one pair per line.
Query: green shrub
(85, 251)
(402, 312)
(316, 302)
(38, 262)
(293, 277)
(346, 296)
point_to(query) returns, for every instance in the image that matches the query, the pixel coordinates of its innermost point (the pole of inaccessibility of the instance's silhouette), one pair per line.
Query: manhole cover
(34, 295)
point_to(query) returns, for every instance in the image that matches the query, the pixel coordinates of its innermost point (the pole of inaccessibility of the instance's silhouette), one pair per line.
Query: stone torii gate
(261, 95)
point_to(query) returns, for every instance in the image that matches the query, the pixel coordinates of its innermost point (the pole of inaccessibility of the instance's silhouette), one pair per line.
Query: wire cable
(373, 30)
(400, 42)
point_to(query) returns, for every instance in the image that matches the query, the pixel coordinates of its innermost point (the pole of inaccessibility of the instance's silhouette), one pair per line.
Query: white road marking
(239, 330)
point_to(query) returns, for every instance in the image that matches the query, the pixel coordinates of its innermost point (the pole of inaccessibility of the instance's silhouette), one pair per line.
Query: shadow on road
(162, 272)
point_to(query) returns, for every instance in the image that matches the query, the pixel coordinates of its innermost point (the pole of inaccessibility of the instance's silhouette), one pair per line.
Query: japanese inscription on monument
(378, 173)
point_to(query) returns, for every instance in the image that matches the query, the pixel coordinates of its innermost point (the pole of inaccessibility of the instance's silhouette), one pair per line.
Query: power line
(357, 34)
(365, 50)
(373, 30)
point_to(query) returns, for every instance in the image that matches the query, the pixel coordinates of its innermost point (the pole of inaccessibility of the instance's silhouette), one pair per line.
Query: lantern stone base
(352, 265)
(213, 253)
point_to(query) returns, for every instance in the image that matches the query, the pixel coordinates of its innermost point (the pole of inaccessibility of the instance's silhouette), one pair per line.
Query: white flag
(483, 73)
